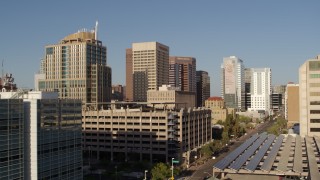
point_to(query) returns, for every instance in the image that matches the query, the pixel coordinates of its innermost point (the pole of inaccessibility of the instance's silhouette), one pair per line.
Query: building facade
(218, 109)
(278, 98)
(246, 95)
(292, 108)
(51, 135)
(11, 139)
(150, 68)
(169, 97)
(118, 92)
(138, 134)
(232, 81)
(182, 73)
(260, 89)
(129, 75)
(77, 68)
(309, 97)
(203, 87)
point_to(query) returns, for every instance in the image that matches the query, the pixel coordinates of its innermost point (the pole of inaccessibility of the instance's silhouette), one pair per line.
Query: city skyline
(279, 35)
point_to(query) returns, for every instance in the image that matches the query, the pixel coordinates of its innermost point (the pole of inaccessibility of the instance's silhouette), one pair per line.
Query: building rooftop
(215, 98)
(268, 155)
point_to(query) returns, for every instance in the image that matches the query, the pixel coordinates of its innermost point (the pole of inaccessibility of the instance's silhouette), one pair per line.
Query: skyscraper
(232, 81)
(11, 139)
(246, 95)
(309, 97)
(260, 89)
(129, 75)
(203, 87)
(40, 136)
(182, 73)
(53, 137)
(292, 109)
(150, 68)
(77, 68)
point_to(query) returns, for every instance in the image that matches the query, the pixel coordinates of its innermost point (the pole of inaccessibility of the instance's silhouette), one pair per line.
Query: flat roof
(285, 155)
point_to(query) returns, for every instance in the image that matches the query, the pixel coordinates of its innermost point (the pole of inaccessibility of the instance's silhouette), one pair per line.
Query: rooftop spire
(96, 31)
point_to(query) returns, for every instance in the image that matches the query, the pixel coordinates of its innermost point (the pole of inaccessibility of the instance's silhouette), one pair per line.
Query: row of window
(128, 123)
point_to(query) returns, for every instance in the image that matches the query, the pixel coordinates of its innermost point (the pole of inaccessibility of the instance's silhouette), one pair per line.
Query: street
(205, 170)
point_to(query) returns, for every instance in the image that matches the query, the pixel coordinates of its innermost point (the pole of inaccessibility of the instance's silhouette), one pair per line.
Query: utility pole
(172, 178)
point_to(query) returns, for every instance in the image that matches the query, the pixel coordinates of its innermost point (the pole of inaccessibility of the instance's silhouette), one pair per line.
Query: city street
(205, 170)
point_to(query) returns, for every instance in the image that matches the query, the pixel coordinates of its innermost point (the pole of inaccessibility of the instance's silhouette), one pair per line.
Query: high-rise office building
(53, 137)
(292, 109)
(77, 68)
(309, 97)
(246, 94)
(182, 73)
(117, 92)
(45, 136)
(232, 81)
(11, 139)
(129, 75)
(150, 68)
(277, 98)
(203, 87)
(260, 89)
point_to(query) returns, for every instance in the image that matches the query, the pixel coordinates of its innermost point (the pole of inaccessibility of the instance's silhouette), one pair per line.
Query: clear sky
(271, 33)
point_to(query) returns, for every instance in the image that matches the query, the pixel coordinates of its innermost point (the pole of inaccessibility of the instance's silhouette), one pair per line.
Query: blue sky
(276, 34)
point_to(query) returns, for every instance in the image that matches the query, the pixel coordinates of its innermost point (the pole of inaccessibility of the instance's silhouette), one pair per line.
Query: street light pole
(172, 178)
(116, 172)
(89, 156)
(145, 174)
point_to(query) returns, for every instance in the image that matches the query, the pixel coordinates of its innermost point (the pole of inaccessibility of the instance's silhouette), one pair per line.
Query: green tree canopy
(207, 150)
(160, 171)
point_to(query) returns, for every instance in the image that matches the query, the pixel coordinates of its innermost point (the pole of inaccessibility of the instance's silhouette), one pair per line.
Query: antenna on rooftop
(96, 31)
(2, 69)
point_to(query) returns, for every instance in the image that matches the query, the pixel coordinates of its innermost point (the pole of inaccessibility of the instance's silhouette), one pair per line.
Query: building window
(314, 102)
(314, 111)
(314, 129)
(314, 85)
(315, 120)
(314, 93)
(314, 75)
(314, 65)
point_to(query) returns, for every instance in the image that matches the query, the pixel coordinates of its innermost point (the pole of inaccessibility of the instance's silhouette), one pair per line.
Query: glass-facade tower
(53, 139)
(11, 139)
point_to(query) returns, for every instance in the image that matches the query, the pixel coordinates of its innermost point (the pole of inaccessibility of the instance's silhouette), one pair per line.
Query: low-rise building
(218, 110)
(169, 97)
(269, 157)
(139, 134)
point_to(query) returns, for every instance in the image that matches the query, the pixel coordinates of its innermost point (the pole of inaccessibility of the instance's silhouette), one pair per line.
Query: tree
(160, 171)
(206, 150)
(220, 122)
(225, 137)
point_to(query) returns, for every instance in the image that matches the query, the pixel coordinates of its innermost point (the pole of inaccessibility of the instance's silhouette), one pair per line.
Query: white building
(260, 89)
(232, 81)
(309, 97)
